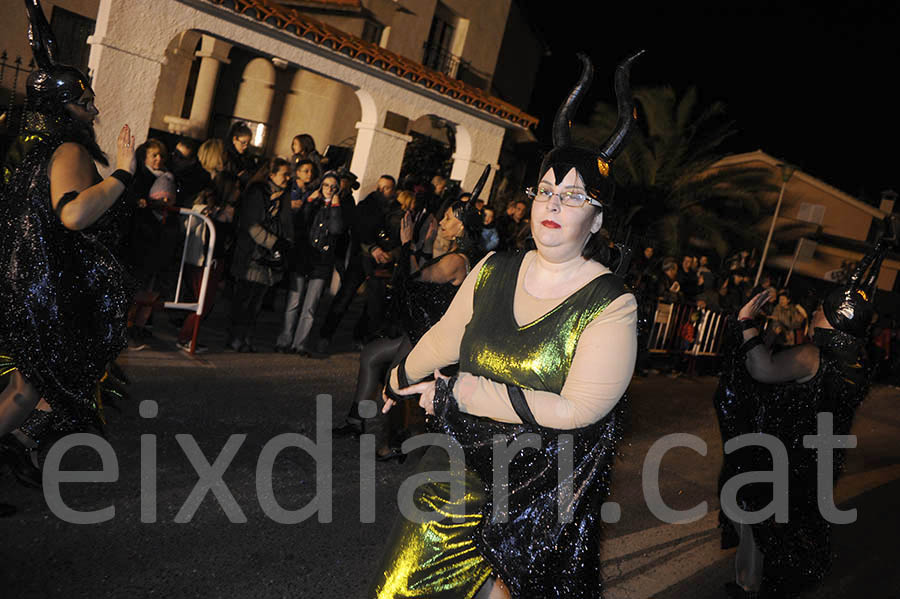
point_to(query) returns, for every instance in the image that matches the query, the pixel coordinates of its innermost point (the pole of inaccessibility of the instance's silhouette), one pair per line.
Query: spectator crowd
(288, 223)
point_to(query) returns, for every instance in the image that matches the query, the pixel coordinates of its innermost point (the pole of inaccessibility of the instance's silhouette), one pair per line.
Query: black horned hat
(465, 211)
(51, 84)
(850, 308)
(593, 165)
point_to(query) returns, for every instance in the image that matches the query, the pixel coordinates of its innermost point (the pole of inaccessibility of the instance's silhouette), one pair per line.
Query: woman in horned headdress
(64, 292)
(781, 394)
(546, 344)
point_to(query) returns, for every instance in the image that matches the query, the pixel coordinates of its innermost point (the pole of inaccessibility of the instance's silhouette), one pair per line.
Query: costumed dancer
(64, 291)
(781, 394)
(546, 345)
(421, 294)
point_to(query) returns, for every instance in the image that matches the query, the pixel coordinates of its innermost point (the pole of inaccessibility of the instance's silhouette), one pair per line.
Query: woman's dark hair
(315, 169)
(307, 143)
(269, 168)
(140, 154)
(600, 248)
(470, 241)
(239, 129)
(330, 175)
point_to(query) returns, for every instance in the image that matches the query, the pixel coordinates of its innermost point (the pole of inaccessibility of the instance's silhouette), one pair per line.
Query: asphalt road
(242, 402)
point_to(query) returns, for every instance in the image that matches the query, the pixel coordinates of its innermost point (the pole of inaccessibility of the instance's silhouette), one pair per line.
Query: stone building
(829, 226)
(364, 74)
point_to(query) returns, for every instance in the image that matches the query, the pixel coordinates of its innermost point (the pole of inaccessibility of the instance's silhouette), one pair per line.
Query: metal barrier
(197, 306)
(669, 319)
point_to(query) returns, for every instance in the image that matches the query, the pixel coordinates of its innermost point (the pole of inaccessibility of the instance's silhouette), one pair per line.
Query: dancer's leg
(16, 402)
(748, 561)
(493, 588)
(373, 360)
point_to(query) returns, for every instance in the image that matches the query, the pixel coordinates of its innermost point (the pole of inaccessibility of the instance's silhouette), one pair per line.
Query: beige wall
(478, 39)
(322, 107)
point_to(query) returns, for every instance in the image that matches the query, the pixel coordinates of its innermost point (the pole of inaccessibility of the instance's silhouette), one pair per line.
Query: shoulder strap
(517, 398)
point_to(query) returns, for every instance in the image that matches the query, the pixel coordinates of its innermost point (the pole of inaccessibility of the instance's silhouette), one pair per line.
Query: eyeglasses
(573, 199)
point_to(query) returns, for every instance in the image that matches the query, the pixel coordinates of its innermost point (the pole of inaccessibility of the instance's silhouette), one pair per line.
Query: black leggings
(375, 360)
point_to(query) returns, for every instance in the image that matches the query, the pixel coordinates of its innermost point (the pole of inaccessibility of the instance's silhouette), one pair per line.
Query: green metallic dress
(530, 547)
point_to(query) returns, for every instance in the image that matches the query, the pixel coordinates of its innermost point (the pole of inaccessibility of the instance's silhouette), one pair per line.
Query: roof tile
(308, 28)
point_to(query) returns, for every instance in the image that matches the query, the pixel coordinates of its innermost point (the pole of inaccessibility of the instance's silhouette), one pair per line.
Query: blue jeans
(297, 338)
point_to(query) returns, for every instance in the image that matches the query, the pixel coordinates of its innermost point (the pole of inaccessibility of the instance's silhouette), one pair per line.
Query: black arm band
(123, 176)
(402, 380)
(750, 343)
(65, 199)
(517, 398)
(748, 323)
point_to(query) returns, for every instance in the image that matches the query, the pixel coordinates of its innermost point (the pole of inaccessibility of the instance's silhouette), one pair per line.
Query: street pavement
(227, 544)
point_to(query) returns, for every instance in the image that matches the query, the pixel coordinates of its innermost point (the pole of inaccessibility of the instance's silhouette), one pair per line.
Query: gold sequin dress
(529, 546)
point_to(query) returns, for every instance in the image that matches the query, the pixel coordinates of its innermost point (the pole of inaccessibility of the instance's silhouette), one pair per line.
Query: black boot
(18, 458)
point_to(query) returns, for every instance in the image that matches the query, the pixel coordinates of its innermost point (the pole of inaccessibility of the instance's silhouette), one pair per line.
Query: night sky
(815, 87)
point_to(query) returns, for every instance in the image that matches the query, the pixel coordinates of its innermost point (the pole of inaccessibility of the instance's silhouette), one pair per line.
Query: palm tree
(667, 190)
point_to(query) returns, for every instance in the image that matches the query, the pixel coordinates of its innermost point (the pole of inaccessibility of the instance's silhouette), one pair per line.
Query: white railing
(668, 320)
(196, 306)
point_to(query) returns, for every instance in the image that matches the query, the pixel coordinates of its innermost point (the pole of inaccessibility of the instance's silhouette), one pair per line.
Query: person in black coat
(371, 245)
(318, 225)
(265, 234)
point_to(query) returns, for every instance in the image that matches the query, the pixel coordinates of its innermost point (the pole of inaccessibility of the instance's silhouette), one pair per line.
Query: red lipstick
(550, 224)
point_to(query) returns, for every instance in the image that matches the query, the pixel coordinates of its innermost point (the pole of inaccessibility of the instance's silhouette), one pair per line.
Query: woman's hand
(142, 203)
(425, 388)
(752, 308)
(125, 150)
(431, 233)
(296, 204)
(406, 228)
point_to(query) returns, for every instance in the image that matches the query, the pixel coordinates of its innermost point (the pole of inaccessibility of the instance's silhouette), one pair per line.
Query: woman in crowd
(546, 343)
(781, 395)
(421, 292)
(64, 293)
(217, 201)
(306, 174)
(238, 161)
(265, 233)
(318, 223)
(154, 232)
(303, 147)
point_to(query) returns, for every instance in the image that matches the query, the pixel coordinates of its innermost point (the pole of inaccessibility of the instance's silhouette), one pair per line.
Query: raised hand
(125, 150)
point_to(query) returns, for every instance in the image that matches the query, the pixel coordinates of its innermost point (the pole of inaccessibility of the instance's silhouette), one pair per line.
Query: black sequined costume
(797, 554)
(64, 292)
(417, 305)
(534, 551)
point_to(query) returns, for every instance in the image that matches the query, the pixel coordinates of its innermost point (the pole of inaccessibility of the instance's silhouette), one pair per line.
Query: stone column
(212, 54)
(378, 151)
(125, 78)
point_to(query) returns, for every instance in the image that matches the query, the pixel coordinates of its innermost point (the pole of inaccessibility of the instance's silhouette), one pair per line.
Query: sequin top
(599, 352)
(65, 293)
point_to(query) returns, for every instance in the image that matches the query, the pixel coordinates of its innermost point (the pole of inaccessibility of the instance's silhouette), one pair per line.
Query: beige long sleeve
(601, 368)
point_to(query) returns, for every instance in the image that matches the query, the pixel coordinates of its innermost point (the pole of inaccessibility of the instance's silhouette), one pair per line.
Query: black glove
(282, 246)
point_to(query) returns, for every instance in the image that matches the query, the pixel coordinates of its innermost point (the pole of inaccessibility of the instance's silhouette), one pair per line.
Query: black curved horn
(562, 134)
(40, 36)
(476, 191)
(614, 145)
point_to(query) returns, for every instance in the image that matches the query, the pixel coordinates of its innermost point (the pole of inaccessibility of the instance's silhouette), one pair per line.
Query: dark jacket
(317, 263)
(261, 222)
